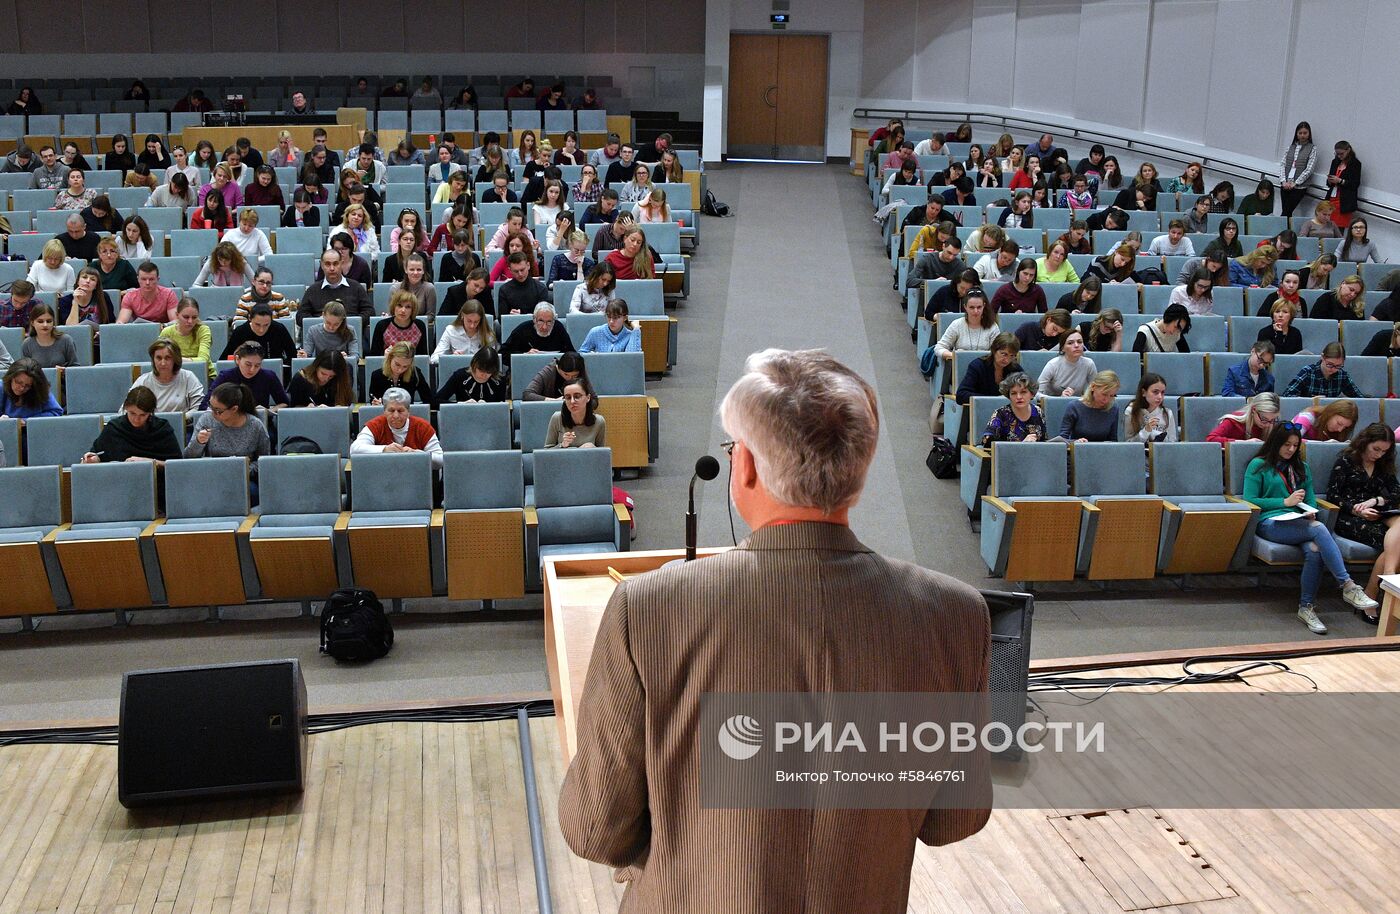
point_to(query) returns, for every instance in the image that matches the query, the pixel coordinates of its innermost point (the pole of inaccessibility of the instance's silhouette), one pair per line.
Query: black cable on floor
(316, 723)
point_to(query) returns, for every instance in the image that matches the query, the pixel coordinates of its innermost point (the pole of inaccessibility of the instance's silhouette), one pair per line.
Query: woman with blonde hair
(1256, 268)
(1253, 423)
(286, 155)
(1002, 147)
(1092, 417)
(654, 208)
(1321, 224)
(399, 370)
(226, 266)
(670, 169)
(51, 272)
(633, 260)
(1347, 302)
(360, 228)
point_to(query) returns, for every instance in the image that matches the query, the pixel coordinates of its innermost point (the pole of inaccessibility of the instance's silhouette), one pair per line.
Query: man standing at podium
(799, 606)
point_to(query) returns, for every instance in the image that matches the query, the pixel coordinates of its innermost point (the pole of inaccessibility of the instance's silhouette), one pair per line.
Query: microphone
(706, 468)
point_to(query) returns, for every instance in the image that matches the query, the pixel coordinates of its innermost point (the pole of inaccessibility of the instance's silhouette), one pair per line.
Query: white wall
(1231, 76)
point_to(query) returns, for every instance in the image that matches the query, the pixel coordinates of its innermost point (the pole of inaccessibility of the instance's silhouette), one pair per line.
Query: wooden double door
(777, 96)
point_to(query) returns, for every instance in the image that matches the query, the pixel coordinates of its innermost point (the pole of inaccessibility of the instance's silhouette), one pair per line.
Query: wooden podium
(576, 591)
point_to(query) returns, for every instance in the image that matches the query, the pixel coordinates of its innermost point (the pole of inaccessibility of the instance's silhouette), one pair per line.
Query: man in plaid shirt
(14, 311)
(1326, 378)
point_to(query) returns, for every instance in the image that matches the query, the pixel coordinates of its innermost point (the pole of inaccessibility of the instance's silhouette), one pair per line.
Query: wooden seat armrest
(623, 515)
(53, 534)
(342, 523)
(532, 517)
(1004, 507)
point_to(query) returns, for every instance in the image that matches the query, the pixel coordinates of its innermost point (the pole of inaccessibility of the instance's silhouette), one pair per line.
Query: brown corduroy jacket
(799, 607)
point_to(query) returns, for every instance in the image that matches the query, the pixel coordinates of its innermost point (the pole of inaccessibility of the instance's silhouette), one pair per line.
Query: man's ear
(745, 472)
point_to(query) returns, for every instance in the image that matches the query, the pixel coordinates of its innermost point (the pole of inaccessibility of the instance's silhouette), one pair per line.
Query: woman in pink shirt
(222, 181)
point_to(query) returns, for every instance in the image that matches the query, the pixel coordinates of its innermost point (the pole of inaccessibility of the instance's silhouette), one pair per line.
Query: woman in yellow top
(931, 238)
(190, 334)
(1055, 265)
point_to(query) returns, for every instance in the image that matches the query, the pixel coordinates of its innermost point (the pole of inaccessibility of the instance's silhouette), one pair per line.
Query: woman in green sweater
(1278, 481)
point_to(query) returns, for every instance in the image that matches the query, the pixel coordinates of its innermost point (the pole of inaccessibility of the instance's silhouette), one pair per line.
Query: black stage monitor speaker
(200, 732)
(1010, 662)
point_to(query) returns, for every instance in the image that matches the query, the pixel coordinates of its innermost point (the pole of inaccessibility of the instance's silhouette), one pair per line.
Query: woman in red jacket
(1253, 423)
(633, 260)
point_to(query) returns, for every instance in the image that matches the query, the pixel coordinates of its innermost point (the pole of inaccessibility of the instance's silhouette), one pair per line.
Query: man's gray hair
(397, 395)
(72, 218)
(543, 307)
(810, 422)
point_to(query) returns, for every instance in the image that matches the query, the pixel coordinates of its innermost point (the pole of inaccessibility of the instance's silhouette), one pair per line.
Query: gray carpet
(799, 267)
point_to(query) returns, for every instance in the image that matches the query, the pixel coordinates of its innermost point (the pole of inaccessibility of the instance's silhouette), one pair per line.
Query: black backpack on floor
(354, 626)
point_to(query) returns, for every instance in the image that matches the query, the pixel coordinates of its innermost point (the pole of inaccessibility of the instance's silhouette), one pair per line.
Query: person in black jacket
(479, 382)
(302, 212)
(522, 292)
(260, 328)
(543, 334)
(1112, 219)
(984, 376)
(1343, 181)
(400, 370)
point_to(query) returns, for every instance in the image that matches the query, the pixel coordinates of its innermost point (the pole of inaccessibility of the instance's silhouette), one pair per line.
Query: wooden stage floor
(410, 817)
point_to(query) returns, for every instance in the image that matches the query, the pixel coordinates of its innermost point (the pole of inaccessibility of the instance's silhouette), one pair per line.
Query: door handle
(767, 96)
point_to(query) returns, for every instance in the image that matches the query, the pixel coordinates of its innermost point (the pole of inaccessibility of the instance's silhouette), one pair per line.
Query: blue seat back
(484, 479)
(328, 426)
(1184, 372)
(60, 440)
(299, 484)
(1183, 468)
(1321, 457)
(112, 492)
(616, 374)
(474, 426)
(392, 482)
(32, 496)
(208, 487)
(1109, 468)
(566, 477)
(534, 422)
(96, 388)
(1029, 469)
(128, 342)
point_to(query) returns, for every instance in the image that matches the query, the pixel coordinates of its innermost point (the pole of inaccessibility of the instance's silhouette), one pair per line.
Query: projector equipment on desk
(223, 118)
(706, 468)
(235, 103)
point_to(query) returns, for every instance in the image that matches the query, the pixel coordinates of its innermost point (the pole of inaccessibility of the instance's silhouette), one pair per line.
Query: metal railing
(1159, 152)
